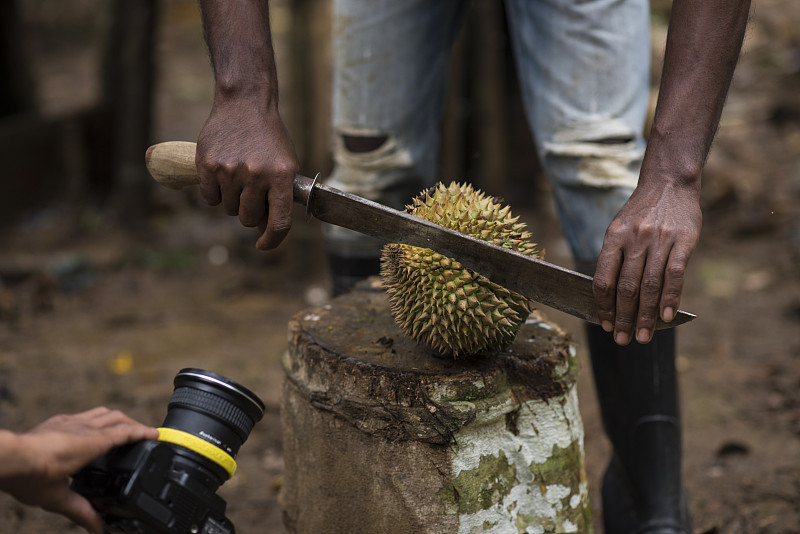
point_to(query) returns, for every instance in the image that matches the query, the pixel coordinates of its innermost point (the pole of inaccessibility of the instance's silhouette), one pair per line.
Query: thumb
(79, 510)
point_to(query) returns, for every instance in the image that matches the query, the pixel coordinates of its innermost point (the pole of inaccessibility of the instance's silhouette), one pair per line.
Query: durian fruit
(438, 302)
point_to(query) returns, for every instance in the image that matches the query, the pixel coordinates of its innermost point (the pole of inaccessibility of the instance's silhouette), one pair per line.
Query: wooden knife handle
(171, 164)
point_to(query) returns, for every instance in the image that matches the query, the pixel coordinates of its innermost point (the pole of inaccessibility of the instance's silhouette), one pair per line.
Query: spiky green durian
(438, 302)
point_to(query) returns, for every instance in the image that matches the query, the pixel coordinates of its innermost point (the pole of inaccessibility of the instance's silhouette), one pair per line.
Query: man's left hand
(641, 268)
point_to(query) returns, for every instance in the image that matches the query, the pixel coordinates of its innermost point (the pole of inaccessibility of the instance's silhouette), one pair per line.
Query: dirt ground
(99, 313)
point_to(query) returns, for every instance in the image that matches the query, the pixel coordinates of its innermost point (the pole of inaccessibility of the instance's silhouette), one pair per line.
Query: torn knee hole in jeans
(613, 140)
(604, 159)
(359, 143)
(370, 150)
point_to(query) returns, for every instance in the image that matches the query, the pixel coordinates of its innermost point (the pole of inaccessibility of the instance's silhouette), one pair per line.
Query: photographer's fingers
(92, 413)
(76, 508)
(65, 443)
(121, 428)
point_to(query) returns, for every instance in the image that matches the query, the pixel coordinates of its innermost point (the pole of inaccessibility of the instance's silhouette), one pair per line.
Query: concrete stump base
(383, 436)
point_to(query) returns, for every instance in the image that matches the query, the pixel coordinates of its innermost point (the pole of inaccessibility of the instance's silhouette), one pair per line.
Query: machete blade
(540, 281)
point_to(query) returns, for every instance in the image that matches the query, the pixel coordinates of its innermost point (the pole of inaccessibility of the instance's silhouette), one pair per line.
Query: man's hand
(245, 158)
(37, 464)
(640, 271)
(246, 161)
(641, 267)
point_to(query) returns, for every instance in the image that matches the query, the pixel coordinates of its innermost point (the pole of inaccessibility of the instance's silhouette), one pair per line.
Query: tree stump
(382, 435)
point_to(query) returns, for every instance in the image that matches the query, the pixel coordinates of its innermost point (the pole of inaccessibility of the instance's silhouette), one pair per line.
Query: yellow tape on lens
(200, 446)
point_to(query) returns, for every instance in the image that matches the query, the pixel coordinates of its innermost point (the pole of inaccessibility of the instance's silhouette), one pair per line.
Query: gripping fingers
(605, 287)
(231, 196)
(76, 508)
(674, 276)
(628, 290)
(278, 220)
(209, 186)
(649, 298)
(253, 206)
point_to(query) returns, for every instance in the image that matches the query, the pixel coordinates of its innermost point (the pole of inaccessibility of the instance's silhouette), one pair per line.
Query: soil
(93, 312)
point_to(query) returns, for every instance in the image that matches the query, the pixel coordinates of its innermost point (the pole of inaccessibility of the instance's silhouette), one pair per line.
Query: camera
(169, 486)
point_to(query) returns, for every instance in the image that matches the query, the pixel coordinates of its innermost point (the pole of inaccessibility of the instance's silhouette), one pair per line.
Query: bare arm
(640, 271)
(245, 158)
(36, 465)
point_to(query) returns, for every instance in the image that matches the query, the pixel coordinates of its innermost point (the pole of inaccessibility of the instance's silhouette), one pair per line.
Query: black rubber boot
(638, 392)
(352, 257)
(345, 272)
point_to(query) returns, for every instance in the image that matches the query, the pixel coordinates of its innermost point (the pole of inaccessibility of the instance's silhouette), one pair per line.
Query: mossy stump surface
(382, 435)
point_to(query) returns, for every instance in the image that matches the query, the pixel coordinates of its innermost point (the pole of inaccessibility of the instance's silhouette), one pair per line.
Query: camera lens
(168, 486)
(206, 408)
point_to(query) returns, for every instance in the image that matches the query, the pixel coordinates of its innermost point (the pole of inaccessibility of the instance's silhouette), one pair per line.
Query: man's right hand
(245, 158)
(246, 161)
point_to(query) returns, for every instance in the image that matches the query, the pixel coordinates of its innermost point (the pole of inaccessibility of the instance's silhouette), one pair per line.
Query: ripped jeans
(584, 73)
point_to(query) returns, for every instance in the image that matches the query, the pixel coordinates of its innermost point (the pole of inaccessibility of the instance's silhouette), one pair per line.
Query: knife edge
(541, 281)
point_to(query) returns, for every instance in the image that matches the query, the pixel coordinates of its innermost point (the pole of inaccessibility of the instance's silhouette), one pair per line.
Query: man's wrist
(253, 93)
(666, 158)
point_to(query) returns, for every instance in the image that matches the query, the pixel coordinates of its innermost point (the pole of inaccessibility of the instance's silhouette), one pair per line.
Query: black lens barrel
(213, 408)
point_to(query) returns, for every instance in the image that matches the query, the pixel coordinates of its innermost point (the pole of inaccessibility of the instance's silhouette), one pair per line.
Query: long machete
(172, 165)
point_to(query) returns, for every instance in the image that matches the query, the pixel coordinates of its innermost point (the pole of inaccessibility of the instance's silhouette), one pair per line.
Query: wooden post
(128, 73)
(486, 136)
(381, 435)
(453, 159)
(491, 94)
(301, 35)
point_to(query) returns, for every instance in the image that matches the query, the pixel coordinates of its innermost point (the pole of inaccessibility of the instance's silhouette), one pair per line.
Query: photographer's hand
(37, 464)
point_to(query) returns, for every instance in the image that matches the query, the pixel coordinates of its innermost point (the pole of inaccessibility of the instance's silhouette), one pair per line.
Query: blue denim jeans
(584, 73)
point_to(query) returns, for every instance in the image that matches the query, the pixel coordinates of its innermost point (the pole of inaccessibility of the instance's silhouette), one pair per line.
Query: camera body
(150, 487)
(169, 486)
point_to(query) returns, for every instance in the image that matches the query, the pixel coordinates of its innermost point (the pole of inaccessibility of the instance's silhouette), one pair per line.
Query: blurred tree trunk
(24, 135)
(453, 150)
(308, 41)
(123, 129)
(491, 93)
(486, 138)
(17, 90)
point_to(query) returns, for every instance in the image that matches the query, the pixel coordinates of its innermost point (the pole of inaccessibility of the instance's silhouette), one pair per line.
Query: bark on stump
(382, 435)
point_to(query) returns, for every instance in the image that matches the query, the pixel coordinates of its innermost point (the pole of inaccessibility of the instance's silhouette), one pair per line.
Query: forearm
(703, 45)
(14, 458)
(239, 42)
